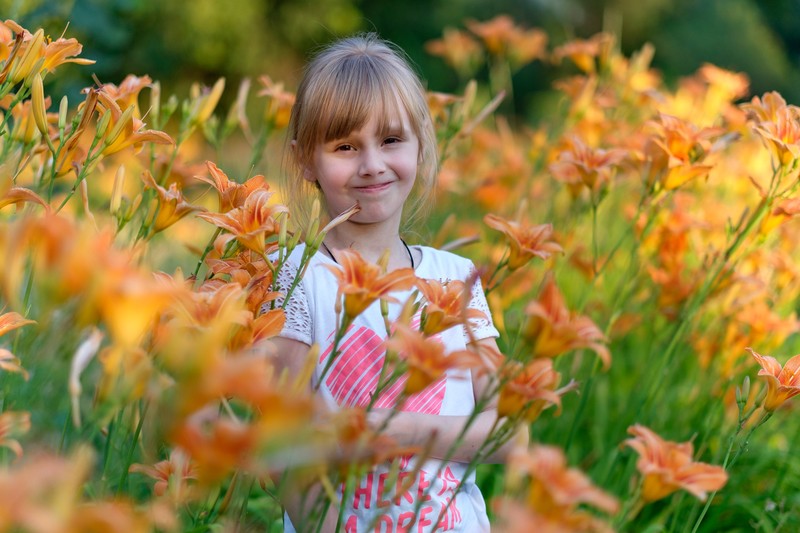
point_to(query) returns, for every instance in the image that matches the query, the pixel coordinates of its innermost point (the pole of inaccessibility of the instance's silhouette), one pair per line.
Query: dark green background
(181, 41)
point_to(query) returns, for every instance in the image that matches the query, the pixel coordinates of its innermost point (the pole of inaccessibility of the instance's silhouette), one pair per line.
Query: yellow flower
(782, 383)
(251, 224)
(203, 101)
(555, 330)
(668, 466)
(362, 283)
(525, 241)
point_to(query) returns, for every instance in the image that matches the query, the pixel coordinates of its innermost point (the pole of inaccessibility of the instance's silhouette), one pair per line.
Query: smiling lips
(376, 187)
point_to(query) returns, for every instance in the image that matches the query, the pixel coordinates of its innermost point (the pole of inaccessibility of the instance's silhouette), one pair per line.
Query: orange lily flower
(12, 424)
(11, 321)
(529, 390)
(782, 383)
(25, 129)
(668, 466)
(555, 488)
(458, 49)
(425, 357)
(176, 470)
(124, 129)
(504, 38)
(37, 46)
(172, 206)
(678, 149)
(445, 305)
(10, 363)
(593, 165)
(217, 448)
(782, 135)
(279, 103)
(231, 194)
(361, 282)
(251, 224)
(525, 241)
(19, 195)
(765, 108)
(584, 52)
(554, 330)
(514, 517)
(127, 93)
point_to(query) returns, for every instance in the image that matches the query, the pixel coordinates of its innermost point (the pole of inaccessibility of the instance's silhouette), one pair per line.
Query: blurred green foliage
(178, 42)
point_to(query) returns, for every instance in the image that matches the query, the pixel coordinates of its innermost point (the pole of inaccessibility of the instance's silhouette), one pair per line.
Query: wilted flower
(782, 383)
(668, 466)
(361, 283)
(11, 321)
(555, 330)
(524, 241)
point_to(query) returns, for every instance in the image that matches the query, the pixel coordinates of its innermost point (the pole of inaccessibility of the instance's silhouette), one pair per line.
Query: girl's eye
(344, 148)
(392, 140)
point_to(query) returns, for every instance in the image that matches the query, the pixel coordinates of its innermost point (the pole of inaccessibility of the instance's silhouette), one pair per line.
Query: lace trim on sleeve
(298, 316)
(481, 327)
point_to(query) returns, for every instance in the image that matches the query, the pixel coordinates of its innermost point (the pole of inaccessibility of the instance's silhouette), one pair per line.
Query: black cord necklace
(410, 255)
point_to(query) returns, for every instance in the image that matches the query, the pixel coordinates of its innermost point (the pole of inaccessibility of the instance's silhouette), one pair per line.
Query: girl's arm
(291, 356)
(416, 429)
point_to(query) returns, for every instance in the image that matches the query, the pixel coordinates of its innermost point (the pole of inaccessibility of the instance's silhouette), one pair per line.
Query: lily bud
(37, 101)
(116, 192)
(32, 54)
(63, 108)
(102, 126)
(155, 102)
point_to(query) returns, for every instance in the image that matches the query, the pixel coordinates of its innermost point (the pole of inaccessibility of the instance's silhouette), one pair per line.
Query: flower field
(635, 245)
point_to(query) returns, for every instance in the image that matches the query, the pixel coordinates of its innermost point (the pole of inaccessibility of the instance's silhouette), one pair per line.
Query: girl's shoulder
(443, 264)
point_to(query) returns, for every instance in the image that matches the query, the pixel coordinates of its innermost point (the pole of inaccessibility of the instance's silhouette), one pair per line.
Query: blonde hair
(342, 87)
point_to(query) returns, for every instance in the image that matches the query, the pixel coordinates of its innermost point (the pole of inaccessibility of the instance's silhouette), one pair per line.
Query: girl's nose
(372, 163)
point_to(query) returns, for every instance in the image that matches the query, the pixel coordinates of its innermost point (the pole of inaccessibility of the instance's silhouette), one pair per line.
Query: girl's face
(374, 168)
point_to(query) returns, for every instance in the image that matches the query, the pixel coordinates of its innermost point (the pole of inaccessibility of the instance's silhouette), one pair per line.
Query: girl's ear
(307, 174)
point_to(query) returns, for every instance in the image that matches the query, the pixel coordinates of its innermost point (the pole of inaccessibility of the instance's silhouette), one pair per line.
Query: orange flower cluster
(553, 493)
(670, 466)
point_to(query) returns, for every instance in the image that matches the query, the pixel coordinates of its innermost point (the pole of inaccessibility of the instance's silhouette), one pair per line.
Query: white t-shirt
(352, 378)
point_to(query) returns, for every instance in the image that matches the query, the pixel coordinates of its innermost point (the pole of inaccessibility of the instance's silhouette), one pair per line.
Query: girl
(361, 132)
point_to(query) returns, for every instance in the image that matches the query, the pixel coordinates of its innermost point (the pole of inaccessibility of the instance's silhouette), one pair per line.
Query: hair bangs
(359, 92)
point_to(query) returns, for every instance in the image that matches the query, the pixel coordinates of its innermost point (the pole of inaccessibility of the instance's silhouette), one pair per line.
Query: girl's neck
(371, 243)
